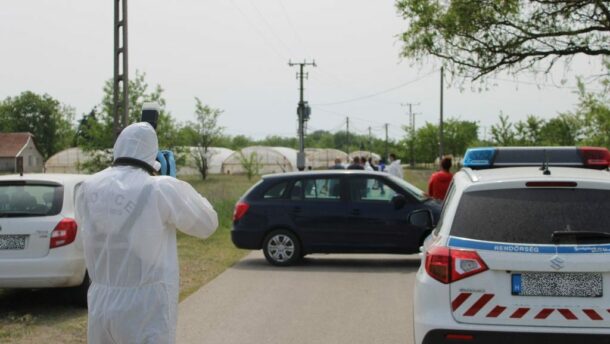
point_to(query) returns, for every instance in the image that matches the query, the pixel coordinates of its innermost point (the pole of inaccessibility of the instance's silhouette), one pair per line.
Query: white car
(40, 245)
(520, 255)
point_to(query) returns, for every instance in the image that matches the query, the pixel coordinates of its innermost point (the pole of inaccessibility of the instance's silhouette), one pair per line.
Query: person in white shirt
(395, 169)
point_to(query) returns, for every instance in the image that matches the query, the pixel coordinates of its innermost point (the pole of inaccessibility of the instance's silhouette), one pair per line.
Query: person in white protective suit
(128, 220)
(395, 168)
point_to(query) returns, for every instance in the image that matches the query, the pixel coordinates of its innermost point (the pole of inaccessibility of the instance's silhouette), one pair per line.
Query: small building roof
(11, 144)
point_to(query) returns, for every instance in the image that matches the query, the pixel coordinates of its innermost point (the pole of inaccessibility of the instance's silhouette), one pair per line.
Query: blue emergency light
(479, 157)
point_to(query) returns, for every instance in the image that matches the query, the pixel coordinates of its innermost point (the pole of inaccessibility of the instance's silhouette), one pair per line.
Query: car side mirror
(421, 218)
(399, 201)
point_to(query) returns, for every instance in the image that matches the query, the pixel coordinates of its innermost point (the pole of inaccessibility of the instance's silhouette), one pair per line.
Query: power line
(266, 22)
(259, 32)
(342, 114)
(296, 34)
(376, 93)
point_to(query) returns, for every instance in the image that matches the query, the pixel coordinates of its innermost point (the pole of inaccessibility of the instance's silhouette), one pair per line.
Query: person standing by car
(439, 181)
(129, 220)
(355, 165)
(338, 165)
(395, 169)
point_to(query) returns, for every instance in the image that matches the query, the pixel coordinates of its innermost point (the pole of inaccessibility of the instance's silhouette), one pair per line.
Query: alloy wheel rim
(281, 247)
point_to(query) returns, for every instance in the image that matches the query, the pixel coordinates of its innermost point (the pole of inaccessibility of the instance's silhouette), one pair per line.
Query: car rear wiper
(575, 236)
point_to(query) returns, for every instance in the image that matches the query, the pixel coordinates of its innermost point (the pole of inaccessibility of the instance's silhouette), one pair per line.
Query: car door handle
(355, 212)
(296, 209)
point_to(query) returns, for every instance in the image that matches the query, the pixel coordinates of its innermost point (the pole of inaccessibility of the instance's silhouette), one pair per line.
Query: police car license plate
(12, 242)
(558, 284)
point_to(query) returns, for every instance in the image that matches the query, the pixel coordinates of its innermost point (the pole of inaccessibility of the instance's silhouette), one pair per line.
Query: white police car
(520, 254)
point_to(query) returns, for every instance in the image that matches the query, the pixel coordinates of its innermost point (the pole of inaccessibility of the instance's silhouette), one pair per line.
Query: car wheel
(80, 293)
(282, 248)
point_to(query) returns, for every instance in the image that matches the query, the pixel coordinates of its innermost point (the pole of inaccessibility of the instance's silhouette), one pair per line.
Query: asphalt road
(326, 299)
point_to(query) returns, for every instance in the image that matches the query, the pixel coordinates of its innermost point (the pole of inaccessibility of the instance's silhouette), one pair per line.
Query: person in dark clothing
(338, 165)
(355, 165)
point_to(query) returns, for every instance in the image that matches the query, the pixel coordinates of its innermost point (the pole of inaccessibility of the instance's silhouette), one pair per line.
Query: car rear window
(530, 216)
(20, 199)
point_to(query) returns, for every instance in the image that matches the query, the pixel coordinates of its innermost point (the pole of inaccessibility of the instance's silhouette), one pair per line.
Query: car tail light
(446, 265)
(595, 156)
(64, 233)
(240, 210)
(551, 184)
(459, 337)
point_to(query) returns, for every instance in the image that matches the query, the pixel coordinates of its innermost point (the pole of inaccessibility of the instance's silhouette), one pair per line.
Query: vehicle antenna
(545, 165)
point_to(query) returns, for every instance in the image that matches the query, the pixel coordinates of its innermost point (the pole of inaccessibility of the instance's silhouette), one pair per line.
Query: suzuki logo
(557, 263)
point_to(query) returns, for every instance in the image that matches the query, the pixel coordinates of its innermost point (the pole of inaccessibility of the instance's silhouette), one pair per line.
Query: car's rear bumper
(499, 337)
(47, 272)
(247, 239)
(433, 321)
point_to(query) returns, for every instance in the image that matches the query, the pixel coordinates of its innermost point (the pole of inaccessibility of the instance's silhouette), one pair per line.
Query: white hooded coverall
(128, 221)
(395, 169)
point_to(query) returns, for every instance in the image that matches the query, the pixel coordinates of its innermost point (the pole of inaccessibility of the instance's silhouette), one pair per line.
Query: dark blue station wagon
(342, 211)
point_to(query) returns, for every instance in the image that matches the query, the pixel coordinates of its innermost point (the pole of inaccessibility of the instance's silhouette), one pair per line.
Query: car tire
(282, 248)
(79, 293)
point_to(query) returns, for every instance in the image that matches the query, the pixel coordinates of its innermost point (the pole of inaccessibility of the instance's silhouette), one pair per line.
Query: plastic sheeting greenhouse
(268, 159)
(321, 158)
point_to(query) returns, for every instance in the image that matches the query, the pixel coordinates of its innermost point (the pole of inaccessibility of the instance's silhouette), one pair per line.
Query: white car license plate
(558, 284)
(12, 242)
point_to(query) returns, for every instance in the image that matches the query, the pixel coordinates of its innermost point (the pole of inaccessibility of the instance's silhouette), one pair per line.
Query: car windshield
(530, 216)
(410, 188)
(17, 200)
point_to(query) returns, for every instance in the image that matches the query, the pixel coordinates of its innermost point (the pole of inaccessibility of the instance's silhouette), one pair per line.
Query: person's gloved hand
(168, 163)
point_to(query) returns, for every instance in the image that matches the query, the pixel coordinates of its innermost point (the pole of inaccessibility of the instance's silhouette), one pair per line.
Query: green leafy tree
(594, 110)
(478, 37)
(459, 135)
(279, 141)
(563, 130)
(99, 128)
(529, 132)
(207, 133)
(46, 118)
(426, 143)
(503, 133)
(240, 141)
(252, 164)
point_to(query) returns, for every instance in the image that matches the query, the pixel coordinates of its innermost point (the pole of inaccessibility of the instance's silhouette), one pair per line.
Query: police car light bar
(489, 157)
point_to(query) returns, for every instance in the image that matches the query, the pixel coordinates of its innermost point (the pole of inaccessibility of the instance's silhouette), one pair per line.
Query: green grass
(48, 316)
(418, 177)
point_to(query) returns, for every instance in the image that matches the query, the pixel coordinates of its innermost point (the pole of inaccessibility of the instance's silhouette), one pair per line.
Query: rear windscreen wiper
(577, 236)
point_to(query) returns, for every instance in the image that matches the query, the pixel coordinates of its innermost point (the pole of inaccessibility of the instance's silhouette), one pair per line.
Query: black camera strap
(135, 163)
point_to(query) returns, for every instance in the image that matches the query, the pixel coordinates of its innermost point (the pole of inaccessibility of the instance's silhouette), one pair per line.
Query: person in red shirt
(439, 181)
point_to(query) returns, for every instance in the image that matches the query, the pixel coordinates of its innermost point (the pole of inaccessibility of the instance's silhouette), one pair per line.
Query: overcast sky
(233, 55)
